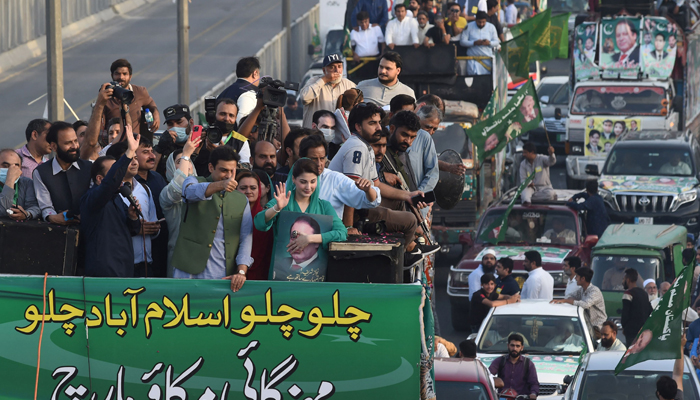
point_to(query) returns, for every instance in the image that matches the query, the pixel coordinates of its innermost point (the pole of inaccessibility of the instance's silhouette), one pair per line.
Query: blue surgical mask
(3, 176)
(328, 134)
(181, 134)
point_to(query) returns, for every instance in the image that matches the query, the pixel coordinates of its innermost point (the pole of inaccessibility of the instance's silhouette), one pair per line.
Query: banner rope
(41, 336)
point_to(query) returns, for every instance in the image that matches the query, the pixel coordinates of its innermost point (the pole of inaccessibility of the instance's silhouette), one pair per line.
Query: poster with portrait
(586, 40)
(601, 133)
(620, 52)
(308, 265)
(659, 47)
(692, 104)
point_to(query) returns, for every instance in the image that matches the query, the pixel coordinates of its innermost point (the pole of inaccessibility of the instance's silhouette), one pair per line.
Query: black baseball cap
(332, 59)
(176, 112)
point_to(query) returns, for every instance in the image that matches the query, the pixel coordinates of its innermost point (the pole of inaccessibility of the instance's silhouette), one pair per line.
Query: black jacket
(636, 308)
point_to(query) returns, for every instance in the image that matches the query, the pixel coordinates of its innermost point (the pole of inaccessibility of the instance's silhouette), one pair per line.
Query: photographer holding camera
(137, 101)
(322, 93)
(91, 148)
(221, 117)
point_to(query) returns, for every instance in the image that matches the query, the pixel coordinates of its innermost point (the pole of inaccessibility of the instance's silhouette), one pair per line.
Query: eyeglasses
(455, 11)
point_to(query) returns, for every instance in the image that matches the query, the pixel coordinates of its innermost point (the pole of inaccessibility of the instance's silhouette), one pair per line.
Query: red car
(463, 378)
(553, 229)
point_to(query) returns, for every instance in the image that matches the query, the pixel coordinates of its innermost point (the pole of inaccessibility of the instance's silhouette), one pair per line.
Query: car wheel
(460, 318)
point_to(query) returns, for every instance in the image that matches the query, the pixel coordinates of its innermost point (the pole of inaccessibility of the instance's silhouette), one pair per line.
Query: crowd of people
(198, 207)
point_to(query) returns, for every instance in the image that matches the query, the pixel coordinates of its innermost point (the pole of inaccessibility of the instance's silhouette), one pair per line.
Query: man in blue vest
(215, 237)
(243, 90)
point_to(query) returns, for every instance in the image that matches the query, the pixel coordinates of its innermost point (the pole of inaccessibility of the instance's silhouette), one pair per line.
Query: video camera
(125, 96)
(213, 133)
(274, 92)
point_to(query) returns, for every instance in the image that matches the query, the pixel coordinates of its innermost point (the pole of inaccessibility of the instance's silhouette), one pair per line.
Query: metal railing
(22, 21)
(273, 56)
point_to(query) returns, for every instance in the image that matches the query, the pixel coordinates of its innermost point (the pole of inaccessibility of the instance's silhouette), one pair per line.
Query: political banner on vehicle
(559, 35)
(585, 45)
(496, 232)
(620, 54)
(660, 337)
(538, 27)
(499, 97)
(176, 339)
(516, 56)
(660, 44)
(520, 115)
(602, 133)
(692, 105)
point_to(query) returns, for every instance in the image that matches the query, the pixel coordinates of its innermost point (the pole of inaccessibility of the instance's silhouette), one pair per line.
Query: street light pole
(287, 25)
(183, 52)
(54, 60)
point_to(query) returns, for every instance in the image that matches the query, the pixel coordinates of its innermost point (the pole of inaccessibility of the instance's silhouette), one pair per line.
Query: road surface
(221, 32)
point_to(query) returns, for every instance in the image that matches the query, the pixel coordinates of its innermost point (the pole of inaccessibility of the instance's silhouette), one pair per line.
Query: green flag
(496, 232)
(559, 35)
(521, 114)
(499, 98)
(538, 27)
(660, 337)
(516, 56)
(584, 351)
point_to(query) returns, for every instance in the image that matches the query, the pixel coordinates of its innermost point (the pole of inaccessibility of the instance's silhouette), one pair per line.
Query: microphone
(125, 191)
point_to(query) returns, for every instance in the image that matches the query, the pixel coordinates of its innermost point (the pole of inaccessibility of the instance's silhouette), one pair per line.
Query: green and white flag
(559, 35)
(660, 337)
(497, 230)
(521, 114)
(516, 56)
(538, 27)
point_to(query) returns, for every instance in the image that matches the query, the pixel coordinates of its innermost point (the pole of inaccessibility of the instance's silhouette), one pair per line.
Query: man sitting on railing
(480, 39)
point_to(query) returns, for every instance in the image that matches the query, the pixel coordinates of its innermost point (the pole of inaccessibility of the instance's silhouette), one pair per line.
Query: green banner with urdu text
(516, 56)
(559, 35)
(181, 338)
(520, 115)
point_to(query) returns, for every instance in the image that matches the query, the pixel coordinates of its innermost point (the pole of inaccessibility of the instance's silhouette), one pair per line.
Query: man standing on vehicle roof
(635, 306)
(597, 219)
(506, 284)
(539, 283)
(516, 371)
(541, 186)
(487, 266)
(590, 298)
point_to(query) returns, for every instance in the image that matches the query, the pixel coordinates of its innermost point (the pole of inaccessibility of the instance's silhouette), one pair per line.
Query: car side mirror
(592, 169)
(311, 49)
(567, 380)
(544, 99)
(471, 336)
(591, 240)
(561, 389)
(557, 113)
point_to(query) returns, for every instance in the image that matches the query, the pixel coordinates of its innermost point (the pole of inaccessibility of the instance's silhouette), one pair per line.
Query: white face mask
(328, 134)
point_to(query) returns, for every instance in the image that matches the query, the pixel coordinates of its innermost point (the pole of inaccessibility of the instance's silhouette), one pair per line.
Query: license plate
(644, 220)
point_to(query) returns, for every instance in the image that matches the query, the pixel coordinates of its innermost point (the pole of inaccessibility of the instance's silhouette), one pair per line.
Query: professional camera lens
(124, 95)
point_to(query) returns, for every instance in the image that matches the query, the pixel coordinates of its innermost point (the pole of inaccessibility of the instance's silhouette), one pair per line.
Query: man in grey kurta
(540, 189)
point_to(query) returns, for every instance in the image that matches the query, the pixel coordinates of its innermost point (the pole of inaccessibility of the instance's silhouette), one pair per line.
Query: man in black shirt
(506, 284)
(492, 7)
(485, 298)
(437, 35)
(636, 307)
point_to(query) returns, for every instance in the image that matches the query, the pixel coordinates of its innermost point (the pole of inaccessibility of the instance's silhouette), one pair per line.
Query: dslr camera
(370, 228)
(213, 132)
(123, 95)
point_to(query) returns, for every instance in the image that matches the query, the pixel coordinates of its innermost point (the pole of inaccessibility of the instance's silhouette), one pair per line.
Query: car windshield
(621, 100)
(608, 271)
(548, 89)
(542, 334)
(533, 226)
(649, 161)
(562, 96)
(460, 390)
(573, 6)
(629, 385)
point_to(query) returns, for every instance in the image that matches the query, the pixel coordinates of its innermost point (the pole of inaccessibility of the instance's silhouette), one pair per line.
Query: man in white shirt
(511, 13)
(365, 39)
(423, 25)
(487, 266)
(675, 166)
(336, 188)
(402, 31)
(570, 265)
(480, 38)
(539, 283)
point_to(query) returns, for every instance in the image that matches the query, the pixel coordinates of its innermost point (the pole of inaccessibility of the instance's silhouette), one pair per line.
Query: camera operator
(251, 125)
(108, 224)
(121, 73)
(90, 149)
(243, 91)
(179, 121)
(321, 93)
(226, 111)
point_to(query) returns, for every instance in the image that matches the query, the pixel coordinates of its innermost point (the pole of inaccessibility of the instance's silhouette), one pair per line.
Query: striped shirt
(592, 300)
(28, 161)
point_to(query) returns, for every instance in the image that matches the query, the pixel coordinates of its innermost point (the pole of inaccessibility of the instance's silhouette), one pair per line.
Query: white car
(555, 335)
(595, 378)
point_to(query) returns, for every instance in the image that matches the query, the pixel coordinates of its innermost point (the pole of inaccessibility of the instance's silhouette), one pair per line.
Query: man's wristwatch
(240, 271)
